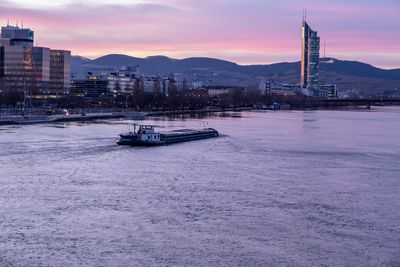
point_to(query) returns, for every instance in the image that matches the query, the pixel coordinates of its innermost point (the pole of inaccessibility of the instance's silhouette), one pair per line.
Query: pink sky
(243, 31)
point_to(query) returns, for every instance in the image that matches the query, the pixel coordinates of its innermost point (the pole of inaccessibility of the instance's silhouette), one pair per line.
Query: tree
(13, 98)
(138, 94)
(235, 96)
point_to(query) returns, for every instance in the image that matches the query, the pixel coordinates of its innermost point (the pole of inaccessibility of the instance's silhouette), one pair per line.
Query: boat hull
(168, 138)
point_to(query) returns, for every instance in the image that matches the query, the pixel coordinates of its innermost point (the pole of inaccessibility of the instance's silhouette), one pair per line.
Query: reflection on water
(228, 114)
(276, 188)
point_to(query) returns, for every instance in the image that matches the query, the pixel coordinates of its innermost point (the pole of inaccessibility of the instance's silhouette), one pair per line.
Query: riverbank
(38, 119)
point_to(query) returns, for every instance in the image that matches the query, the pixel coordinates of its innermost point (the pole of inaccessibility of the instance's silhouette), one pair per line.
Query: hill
(346, 74)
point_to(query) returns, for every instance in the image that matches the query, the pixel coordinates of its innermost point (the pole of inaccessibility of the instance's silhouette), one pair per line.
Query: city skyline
(262, 32)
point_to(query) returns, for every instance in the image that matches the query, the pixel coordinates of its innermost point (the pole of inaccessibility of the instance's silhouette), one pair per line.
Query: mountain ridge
(346, 74)
(101, 59)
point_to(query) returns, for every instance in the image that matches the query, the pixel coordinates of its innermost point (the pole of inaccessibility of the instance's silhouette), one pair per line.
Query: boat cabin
(148, 134)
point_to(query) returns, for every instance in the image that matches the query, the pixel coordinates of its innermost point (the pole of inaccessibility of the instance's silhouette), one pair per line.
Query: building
(152, 84)
(264, 88)
(15, 36)
(310, 47)
(126, 81)
(327, 91)
(25, 68)
(285, 89)
(217, 91)
(60, 72)
(309, 57)
(91, 87)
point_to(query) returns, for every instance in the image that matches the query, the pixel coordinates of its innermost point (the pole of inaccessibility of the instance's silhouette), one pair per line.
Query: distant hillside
(346, 74)
(118, 60)
(76, 61)
(160, 64)
(359, 69)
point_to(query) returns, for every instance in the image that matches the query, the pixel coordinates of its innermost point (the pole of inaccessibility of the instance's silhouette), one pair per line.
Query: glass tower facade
(27, 68)
(60, 72)
(309, 57)
(40, 69)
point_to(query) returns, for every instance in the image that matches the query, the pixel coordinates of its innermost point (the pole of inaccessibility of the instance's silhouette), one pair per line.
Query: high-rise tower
(25, 67)
(17, 36)
(309, 56)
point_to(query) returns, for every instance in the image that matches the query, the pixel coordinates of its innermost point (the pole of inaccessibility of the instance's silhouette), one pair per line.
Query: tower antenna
(22, 26)
(324, 49)
(8, 22)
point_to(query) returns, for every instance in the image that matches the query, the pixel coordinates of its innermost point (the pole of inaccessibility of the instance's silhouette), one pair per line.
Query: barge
(147, 136)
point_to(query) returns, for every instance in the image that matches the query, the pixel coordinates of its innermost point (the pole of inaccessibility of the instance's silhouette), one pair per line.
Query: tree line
(140, 100)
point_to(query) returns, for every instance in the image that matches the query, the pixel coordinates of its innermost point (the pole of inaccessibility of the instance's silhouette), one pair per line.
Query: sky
(242, 31)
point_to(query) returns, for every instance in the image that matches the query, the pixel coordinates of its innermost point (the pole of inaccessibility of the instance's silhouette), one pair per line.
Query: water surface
(277, 188)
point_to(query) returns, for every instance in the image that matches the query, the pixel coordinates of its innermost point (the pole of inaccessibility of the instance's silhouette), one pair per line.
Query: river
(296, 188)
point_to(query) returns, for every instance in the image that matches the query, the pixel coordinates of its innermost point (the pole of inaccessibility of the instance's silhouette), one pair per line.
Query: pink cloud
(217, 27)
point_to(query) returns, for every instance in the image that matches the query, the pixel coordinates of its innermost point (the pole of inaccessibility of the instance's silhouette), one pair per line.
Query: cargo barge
(147, 136)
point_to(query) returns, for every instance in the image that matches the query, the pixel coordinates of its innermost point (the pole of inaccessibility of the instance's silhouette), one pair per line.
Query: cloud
(246, 31)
